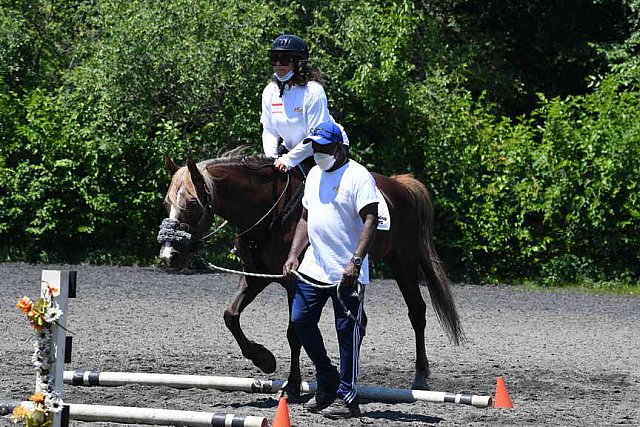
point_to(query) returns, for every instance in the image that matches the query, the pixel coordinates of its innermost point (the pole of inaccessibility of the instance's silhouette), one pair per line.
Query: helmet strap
(282, 81)
(281, 86)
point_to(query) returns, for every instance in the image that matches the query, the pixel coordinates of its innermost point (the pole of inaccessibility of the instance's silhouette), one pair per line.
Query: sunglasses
(274, 58)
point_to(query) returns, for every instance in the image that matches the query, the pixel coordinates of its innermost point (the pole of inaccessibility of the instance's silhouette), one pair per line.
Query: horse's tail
(430, 265)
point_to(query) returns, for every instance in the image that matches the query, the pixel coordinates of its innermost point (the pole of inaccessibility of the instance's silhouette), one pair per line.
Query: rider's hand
(350, 275)
(279, 164)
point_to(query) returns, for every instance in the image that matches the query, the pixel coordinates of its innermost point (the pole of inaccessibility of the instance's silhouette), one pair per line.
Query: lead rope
(302, 279)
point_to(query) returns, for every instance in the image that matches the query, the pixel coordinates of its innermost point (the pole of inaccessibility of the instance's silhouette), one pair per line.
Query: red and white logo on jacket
(277, 108)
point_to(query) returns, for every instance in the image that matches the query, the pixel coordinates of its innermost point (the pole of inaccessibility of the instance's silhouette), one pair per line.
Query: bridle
(177, 232)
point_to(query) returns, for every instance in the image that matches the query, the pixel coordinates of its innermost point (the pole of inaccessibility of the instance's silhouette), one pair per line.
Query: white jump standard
(252, 385)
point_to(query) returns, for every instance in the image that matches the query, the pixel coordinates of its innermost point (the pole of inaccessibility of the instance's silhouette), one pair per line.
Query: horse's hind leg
(248, 289)
(405, 271)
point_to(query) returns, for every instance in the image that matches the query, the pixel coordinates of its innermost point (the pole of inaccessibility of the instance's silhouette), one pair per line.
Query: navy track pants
(308, 302)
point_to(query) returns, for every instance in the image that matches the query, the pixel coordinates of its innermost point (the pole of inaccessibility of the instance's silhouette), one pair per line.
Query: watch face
(357, 261)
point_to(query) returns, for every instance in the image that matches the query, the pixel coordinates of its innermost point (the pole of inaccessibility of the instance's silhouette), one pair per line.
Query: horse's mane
(238, 156)
(235, 157)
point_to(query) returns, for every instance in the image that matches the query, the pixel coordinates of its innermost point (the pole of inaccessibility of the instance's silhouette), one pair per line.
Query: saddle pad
(384, 219)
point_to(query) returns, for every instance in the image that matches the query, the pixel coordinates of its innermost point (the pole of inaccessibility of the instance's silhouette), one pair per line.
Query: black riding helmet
(292, 45)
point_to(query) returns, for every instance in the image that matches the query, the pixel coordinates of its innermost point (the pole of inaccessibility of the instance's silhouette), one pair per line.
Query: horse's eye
(184, 227)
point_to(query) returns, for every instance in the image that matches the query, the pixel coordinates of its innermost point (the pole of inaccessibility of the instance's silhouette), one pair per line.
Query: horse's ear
(170, 164)
(196, 176)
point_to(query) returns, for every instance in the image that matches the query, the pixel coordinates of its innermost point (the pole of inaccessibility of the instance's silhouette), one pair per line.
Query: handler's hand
(279, 164)
(350, 275)
(290, 264)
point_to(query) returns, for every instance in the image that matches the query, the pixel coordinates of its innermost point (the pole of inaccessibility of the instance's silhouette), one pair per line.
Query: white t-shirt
(292, 117)
(333, 201)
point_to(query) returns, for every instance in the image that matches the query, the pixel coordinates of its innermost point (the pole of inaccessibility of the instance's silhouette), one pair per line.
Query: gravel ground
(568, 359)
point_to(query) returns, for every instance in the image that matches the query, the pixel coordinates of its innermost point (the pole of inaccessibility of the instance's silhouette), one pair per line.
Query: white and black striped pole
(114, 379)
(252, 385)
(151, 416)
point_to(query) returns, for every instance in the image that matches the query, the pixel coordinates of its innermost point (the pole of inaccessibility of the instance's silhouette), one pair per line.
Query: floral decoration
(42, 314)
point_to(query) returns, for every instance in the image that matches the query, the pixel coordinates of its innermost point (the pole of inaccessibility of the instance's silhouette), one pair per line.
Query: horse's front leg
(248, 289)
(293, 389)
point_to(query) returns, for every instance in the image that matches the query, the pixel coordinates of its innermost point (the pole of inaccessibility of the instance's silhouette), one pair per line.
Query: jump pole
(152, 416)
(253, 385)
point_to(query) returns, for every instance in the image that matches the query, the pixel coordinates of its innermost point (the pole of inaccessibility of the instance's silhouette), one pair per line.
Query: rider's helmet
(290, 44)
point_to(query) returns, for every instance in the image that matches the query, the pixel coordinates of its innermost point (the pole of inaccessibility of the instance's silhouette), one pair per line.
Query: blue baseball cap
(325, 133)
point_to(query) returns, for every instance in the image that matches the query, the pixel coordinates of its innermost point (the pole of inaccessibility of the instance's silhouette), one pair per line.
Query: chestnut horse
(264, 204)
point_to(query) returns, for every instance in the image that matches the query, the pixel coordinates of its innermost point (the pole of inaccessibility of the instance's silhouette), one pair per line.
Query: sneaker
(341, 410)
(319, 401)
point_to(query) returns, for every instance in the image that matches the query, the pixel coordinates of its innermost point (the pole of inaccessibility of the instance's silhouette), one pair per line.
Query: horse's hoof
(264, 360)
(420, 384)
(292, 391)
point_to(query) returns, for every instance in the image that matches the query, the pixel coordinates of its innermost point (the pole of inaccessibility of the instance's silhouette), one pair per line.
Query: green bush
(536, 195)
(94, 94)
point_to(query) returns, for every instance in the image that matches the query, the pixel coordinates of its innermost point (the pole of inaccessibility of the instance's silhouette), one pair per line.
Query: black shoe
(319, 401)
(341, 410)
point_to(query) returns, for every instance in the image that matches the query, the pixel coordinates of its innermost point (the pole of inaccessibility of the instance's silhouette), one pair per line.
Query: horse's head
(190, 207)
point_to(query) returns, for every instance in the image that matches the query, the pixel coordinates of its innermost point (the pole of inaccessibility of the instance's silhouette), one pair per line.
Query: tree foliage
(550, 194)
(526, 130)
(514, 50)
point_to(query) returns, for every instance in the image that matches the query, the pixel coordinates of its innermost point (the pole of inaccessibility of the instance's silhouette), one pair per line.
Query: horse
(264, 205)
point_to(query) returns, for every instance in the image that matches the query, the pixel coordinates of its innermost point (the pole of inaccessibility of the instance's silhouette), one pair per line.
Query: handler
(339, 221)
(293, 103)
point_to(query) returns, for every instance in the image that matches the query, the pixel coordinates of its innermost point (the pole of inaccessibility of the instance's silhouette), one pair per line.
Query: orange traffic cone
(282, 414)
(502, 399)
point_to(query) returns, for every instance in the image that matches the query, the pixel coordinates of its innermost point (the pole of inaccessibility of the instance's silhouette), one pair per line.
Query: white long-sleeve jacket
(292, 117)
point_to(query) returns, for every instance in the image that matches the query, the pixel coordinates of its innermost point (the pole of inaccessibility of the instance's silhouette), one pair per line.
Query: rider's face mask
(325, 161)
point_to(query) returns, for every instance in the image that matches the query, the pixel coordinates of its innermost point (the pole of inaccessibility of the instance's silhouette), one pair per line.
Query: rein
(203, 238)
(269, 211)
(174, 231)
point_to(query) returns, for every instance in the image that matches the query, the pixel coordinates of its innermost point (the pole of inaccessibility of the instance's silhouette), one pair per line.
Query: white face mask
(284, 78)
(324, 161)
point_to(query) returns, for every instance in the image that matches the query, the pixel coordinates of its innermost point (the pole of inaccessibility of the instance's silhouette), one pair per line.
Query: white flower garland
(41, 359)
(46, 401)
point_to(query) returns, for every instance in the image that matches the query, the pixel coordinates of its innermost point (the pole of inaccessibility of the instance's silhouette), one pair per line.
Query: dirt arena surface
(568, 359)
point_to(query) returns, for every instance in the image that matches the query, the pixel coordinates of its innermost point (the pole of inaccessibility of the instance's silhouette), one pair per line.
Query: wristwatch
(357, 261)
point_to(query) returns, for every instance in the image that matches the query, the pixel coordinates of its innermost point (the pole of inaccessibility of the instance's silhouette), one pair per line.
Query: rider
(293, 103)
(339, 222)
